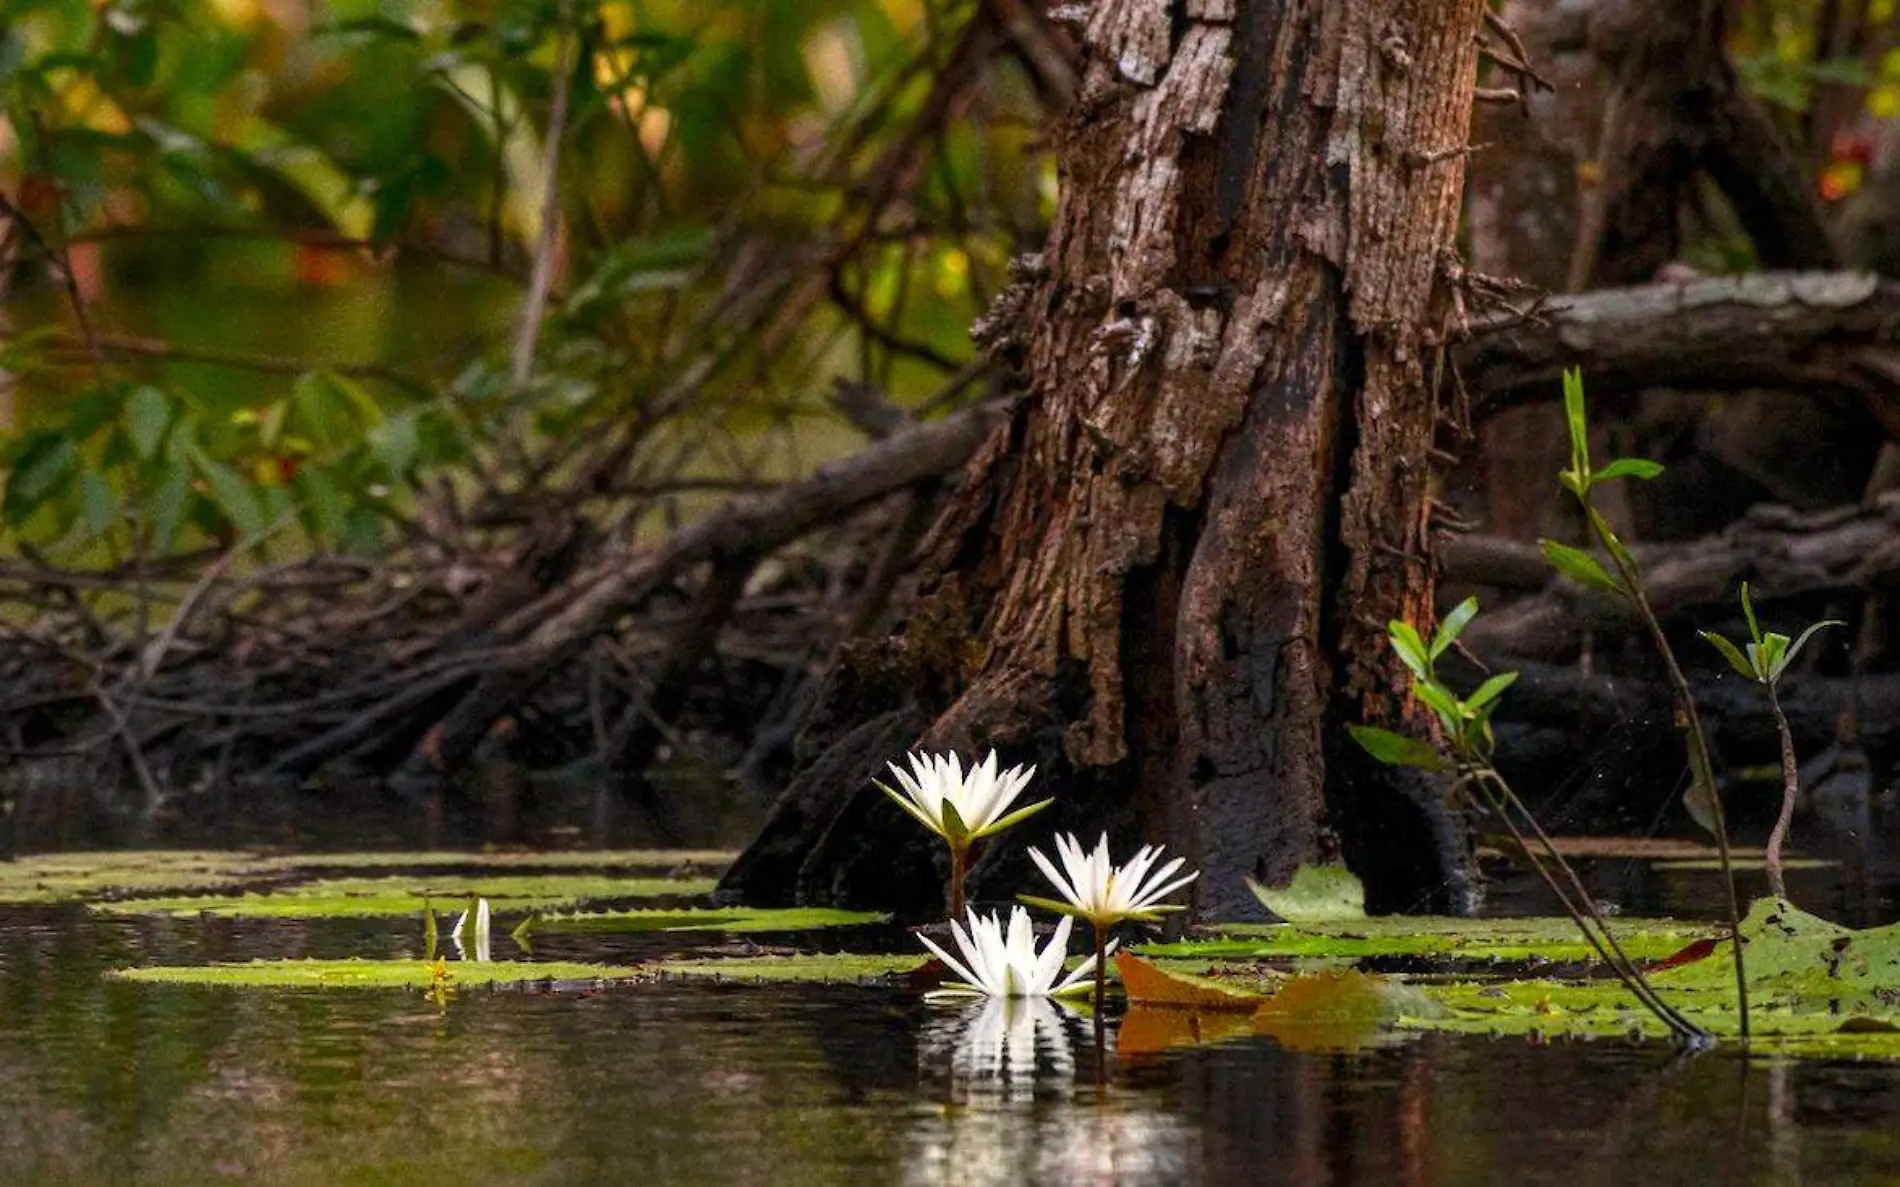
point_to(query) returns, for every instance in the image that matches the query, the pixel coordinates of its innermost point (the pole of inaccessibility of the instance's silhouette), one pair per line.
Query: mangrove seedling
(999, 965)
(1094, 888)
(1702, 799)
(1465, 750)
(1763, 659)
(962, 809)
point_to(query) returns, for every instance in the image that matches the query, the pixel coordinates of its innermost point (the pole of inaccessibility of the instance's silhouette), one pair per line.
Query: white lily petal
(953, 964)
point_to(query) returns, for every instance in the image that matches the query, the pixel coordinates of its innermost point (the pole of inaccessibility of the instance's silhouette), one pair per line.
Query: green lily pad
(827, 969)
(1815, 988)
(1798, 961)
(1549, 939)
(1317, 894)
(370, 974)
(74, 877)
(558, 859)
(722, 919)
(357, 897)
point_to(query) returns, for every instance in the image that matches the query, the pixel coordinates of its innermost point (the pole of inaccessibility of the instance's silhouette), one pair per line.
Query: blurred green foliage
(268, 259)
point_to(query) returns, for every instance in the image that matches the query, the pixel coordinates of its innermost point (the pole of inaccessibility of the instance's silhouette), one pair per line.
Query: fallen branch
(755, 525)
(1780, 552)
(1820, 333)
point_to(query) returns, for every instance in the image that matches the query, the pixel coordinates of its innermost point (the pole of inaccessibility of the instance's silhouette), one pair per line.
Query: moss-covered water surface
(605, 1053)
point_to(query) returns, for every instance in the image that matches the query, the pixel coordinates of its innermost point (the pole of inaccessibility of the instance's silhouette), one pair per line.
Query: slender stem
(959, 865)
(1582, 909)
(1701, 770)
(1790, 786)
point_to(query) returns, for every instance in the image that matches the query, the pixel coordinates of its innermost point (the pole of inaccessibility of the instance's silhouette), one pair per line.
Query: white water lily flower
(961, 808)
(1098, 890)
(483, 934)
(999, 965)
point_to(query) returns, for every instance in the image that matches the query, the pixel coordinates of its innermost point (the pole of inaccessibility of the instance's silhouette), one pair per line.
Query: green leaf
(1410, 648)
(147, 413)
(1803, 642)
(233, 495)
(1049, 904)
(1700, 802)
(41, 470)
(328, 517)
(1490, 690)
(1578, 565)
(1579, 427)
(168, 506)
(394, 442)
(1396, 749)
(332, 410)
(1315, 894)
(1441, 700)
(1748, 609)
(1771, 655)
(98, 502)
(954, 830)
(1732, 654)
(904, 802)
(1629, 467)
(1016, 817)
(1454, 625)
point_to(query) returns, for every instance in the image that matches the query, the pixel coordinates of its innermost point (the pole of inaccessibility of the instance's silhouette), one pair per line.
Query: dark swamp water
(687, 1083)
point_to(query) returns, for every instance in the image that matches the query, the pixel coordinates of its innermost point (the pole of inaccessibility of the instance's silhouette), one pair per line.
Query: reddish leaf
(1149, 986)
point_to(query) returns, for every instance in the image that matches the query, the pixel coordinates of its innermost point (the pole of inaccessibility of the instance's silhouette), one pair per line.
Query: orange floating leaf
(1148, 985)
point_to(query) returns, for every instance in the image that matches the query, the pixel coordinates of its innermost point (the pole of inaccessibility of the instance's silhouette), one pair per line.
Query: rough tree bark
(1179, 556)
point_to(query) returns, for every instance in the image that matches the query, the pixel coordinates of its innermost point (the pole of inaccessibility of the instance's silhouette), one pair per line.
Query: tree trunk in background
(1176, 562)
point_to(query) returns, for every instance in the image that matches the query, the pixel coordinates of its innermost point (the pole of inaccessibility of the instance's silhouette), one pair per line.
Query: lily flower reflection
(999, 965)
(482, 932)
(1005, 1046)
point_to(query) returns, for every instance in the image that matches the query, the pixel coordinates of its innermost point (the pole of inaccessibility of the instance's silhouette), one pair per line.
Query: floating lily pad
(371, 974)
(1815, 988)
(1317, 894)
(722, 919)
(355, 897)
(1328, 1011)
(1550, 939)
(707, 860)
(73, 877)
(840, 967)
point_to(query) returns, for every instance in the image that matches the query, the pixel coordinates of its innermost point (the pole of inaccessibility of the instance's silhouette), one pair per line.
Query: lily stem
(959, 865)
(1101, 970)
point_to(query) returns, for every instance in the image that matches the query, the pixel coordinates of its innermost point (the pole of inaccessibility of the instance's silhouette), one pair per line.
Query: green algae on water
(722, 919)
(73, 877)
(704, 861)
(372, 974)
(360, 897)
(818, 969)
